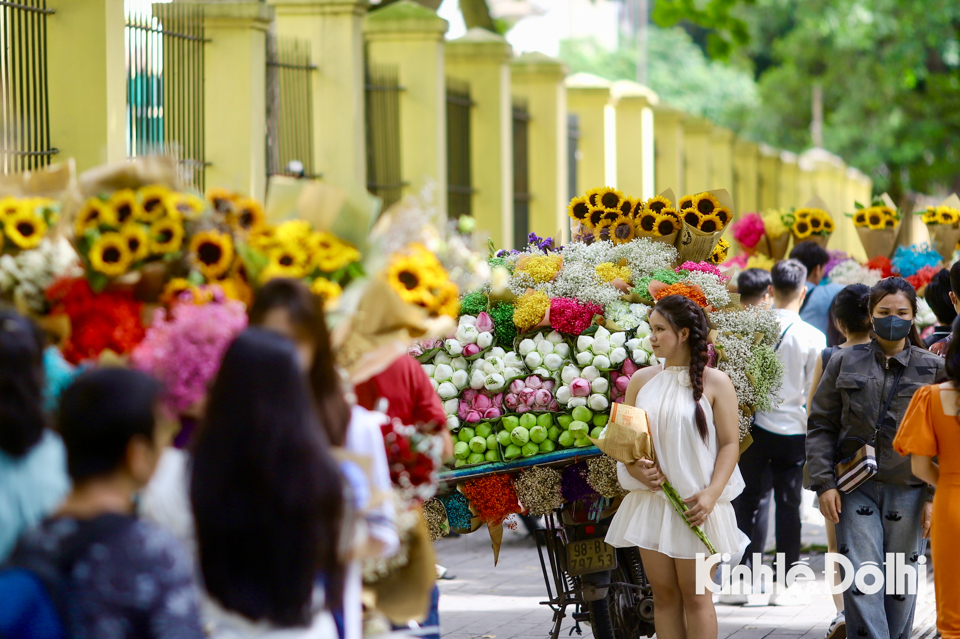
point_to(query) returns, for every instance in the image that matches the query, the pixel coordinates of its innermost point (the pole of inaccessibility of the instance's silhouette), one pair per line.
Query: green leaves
(727, 29)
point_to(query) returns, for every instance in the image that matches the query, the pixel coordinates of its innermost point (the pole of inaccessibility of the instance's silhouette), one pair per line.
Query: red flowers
(110, 320)
(923, 277)
(412, 466)
(571, 316)
(493, 496)
(881, 263)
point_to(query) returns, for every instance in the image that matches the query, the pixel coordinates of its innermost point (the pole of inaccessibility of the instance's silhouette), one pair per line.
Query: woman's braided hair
(682, 312)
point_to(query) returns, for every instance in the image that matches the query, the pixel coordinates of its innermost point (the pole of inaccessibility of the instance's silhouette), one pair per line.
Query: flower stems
(681, 508)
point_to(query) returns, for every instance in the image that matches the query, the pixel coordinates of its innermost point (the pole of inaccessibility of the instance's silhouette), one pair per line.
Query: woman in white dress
(694, 422)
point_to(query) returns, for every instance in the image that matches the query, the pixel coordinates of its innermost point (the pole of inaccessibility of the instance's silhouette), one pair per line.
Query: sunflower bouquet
(418, 278)
(660, 220)
(24, 222)
(119, 233)
(943, 224)
(605, 214)
(705, 216)
(777, 225)
(878, 226)
(811, 223)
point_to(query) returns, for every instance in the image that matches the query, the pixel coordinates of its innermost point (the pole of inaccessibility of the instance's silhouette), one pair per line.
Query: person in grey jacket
(888, 513)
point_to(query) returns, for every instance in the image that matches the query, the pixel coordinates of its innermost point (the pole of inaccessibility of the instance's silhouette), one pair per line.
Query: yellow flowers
(944, 215)
(110, 255)
(125, 206)
(623, 230)
(704, 212)
(774, 225)
(94, 213)
(666, 222)
(25, 229)
(810, 221)
(24, 222)
(247, 214)
(419, 278)
(541, 268)
(529, 310)
(876, 217)
(153, 203)
(138, 242)
(720, 251)
(211, 252)
(608, 271)
(326, 290)
(166, 236)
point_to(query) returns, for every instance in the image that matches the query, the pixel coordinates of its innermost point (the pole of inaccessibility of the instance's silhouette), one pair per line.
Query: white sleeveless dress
(647, 519)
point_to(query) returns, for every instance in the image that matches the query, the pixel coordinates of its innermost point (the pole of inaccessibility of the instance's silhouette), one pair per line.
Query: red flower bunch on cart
(110, 320)
(494, 498)
(413, 458)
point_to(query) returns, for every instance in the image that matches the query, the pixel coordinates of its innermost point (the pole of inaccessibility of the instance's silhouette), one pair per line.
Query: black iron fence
(24, 106)
(290, 108)
(521, 173)
(459, 183)
(165, 84)
(384, 177)
(573, 154)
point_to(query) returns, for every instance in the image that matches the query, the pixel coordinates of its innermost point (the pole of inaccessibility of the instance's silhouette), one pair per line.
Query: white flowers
(27, 276)
(640, 349)
(474, 335)
(494, 370)
(544, 354)
(603, 350)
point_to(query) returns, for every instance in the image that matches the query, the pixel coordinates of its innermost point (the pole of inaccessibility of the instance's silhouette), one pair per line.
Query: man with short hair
(779, 436)
(816, 307)
(755, 288)
(938, 297)
(940, 348)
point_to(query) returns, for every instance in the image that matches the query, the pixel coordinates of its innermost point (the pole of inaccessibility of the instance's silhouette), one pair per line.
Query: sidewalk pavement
(487, 602)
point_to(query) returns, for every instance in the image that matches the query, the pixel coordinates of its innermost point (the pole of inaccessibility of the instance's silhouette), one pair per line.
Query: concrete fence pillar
(589, 98)
(746, 156)
(721, 166)
(698, 160)
(769, 179)
(668, 142)
(635, 155)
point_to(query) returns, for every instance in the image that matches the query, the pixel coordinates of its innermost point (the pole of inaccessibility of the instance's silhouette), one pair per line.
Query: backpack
(34, 586)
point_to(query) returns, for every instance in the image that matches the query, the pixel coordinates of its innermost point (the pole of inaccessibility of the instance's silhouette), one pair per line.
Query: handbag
(857, 468)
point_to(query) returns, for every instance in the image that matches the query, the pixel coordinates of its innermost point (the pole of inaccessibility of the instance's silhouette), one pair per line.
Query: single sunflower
(638, 208)
(657, 203)
(647, 222)
(710, 224)
(611, 214)
(706, 203)
(125, 206)
(153, 203)
(593, 196)
(828, 225)
(187, 206)
(166, 236)
(603, 233)
(860, 218)
(248, 214)
(719, 254)
(326, 290)
(686, 203)
(138, 241)
(409, 279)
(672, 212)
(578, 209)
(609, 197)
(666, 225)
(110, 255)
(627, 206)
(211, 253)
(95, 213)
(291, 259)
(222, 200)
(723, 214)
(25, 229)
(816, 223)
(801, 229)
(875, 218)
(623, 230)
(691, 217)
(594, 218)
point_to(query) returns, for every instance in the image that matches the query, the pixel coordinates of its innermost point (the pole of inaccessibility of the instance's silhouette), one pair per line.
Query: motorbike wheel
(600, 620)
(617, 616)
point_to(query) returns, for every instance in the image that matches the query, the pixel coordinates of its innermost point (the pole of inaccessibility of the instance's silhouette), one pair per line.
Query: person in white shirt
(779, 436)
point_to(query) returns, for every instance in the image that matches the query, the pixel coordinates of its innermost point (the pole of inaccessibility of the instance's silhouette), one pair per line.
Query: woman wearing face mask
(860, 402)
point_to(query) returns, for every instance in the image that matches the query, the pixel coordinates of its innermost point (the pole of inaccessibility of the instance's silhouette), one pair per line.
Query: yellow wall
(698, 159)
(668, 142)
(482, 58)
(87, 81)
(746, 156)
(721, 166)
(769, 179)
(333, 29)
(634, 139)
(588, 97)
(787, 196)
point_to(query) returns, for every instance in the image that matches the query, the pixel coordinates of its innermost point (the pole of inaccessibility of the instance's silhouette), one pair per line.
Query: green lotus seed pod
(547, 446)
(553, 433)
(538, 434)
(492, 455)
(595, 433)
(566, 439)
(579, 429)
(478, 445)
(564, 420)
(476, 458)
(461, 450)
(520, 436)
(510, 422)
(511, 452)
(601, 419)
(582, 414)
(503, 438)
(484, 429)
(466, 434)
(492, 442)
(528, 420)
(580, 443)
(459, 463)
(530, 449)
(545, 420)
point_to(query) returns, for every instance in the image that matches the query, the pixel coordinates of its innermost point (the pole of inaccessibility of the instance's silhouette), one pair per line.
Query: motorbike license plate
(590, 555)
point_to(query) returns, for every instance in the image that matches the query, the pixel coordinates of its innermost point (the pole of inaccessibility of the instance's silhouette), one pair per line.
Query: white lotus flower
(476, 380)
(443, 373)
(477, 364)
(527, 346)
(428, 369)
(600, 385)
(562, 349)
(460, 379)
(577, 401)
(564, 395)
(633, 344)
(496, 351)
(618, 339)
(545, 347)
(447, 391)
(553, 362)
(453, 347)
(602, 333)
(542, 372)
(533, 359)
(451, 406)
(584, 342)
(646, 345)
(453, 422)
(537, 338)
(467, 335)
(643, 329)
(442, 358)
(590, 373)
(601, 361)
(513, 360)
(467, 320)
(598, 403)
(569, 373)
(585, 358)
(484, 340)
(459, 364)
(490, 367)
(601, 346)
(617, 356)
(639, 357)
(494, 382)
(555, 337)
(435, 384)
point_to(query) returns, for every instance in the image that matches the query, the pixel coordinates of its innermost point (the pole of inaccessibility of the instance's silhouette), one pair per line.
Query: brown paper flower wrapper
(816, 202)
(628, 438)
(775, 249)
(694, 245)
(880, 241)
(404, 594)
(944, 237)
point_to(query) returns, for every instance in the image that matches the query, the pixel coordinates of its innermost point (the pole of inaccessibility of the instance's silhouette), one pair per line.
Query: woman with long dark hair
(692, 411)
(931, 428)
(267, 496)
(33, 463)
(860, 402)
(288, 308)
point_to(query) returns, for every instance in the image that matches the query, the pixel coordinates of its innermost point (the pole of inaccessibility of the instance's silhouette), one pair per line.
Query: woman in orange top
(931, 428)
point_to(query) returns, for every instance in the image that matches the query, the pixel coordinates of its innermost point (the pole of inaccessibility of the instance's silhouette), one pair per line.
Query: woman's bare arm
(924, 468)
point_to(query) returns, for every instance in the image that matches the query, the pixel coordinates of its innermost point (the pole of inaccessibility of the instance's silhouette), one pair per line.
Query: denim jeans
(877, 519)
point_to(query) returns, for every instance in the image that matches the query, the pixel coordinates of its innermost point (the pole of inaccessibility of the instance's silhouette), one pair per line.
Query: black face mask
(892, 328)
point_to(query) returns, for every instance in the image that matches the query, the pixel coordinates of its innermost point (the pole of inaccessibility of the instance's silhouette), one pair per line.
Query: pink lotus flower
(580, 387)
(523, 408)
(527, 396)
(482, 402)
(629, 367)
(511, 401)
(484, 323)
(622, 383)
(498, 400)
(415, 351)
(474, 417)
(549, 384)
(533, 382)
(491, 413)
(470, 350)
(517, 385)
(469, 394)
(554, 406)
(463, 410)
(542, 397)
